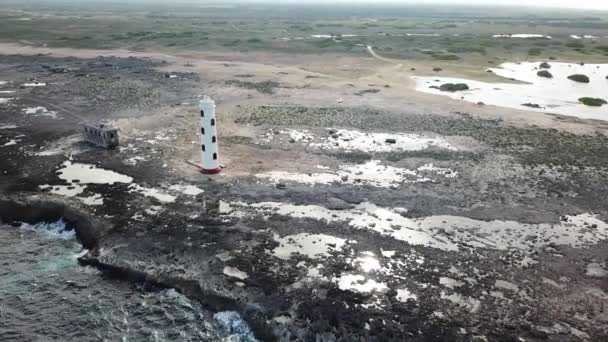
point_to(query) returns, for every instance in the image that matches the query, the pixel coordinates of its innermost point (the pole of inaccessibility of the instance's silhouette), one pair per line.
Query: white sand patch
(3, 82)
(311, 245)
(64, 190)
(371, 173)
(296, 135)
(234, 272)
(95, 199)
(40, 111)
(5, 100)
(558, 95)
(11, 142)
(7, 91)
(368, 263)
(597, 270)
(187, 189)
(351, 140)
(35, 84)
(358, 283)
(502, 284)
(8, 126)
(469, 303)
(574, 36)
(448, 232)
(403, 295)
(450, 282)
(522, 35)
(90, 174)
(153, 193)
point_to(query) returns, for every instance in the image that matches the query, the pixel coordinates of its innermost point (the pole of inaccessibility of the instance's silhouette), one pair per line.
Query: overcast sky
(581, 4)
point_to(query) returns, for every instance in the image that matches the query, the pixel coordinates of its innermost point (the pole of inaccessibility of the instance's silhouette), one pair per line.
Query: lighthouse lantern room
(209, 148)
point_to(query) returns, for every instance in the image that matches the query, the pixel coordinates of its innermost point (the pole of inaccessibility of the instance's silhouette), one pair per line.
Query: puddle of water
(524, 35)
(234, 272)
(446, 232)
(311, 245)
(371, 173)
(557, 95)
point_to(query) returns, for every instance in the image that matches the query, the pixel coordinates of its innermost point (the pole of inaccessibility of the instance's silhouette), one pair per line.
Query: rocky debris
(391, 141)
(545, 65)
(579, 78)
(544, 73)
(334, 203)
(437, 69)
(367, 91)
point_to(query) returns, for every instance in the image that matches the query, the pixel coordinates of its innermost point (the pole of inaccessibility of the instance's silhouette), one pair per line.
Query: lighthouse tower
(210, 163)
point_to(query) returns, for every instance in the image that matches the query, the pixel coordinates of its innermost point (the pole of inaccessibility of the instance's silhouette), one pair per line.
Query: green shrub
(544, 73)
(545, 65)
(591, 101)
(452, 87)
(535, 52)
(579, 78)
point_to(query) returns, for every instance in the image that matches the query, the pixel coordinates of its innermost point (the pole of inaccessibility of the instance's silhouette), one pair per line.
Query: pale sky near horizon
(580, 4)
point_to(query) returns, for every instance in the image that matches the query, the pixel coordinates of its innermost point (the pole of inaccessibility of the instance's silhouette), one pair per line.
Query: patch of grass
(535, 52)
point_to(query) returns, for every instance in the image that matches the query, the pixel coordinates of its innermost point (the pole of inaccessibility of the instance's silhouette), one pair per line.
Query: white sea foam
(55, 230)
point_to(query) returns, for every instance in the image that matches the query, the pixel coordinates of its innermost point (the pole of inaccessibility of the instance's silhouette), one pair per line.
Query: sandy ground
(494, 229)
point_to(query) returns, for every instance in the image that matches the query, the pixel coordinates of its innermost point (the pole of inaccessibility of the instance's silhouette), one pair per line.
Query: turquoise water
(45, 295)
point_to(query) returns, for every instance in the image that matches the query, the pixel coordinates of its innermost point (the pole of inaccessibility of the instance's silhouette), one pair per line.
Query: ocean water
(45, 295)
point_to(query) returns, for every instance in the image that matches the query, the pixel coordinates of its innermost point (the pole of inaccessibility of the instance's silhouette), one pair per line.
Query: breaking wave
(55, 230)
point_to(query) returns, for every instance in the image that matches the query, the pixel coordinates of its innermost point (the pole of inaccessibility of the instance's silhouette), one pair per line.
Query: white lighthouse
(210, 163)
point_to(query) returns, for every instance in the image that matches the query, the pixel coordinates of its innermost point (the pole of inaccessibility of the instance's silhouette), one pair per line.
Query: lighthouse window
(202, 113)
(212, 122)
(213, 139)
(215, 156)
(203, 148)
(202, 130)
